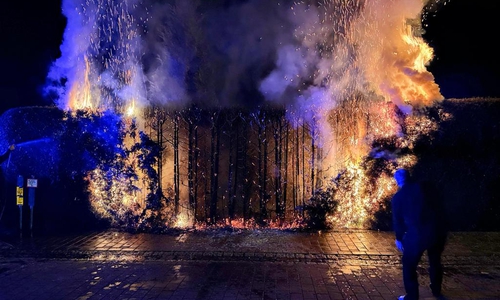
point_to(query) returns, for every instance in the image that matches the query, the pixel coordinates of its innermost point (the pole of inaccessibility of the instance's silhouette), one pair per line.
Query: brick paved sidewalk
(462, 247)
(237, 265)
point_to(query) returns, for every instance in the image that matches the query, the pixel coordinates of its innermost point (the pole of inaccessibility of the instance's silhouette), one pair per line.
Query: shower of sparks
(356, 57)
(101, 59)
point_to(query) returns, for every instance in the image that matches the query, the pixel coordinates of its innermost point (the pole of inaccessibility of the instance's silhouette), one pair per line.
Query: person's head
(401, 175)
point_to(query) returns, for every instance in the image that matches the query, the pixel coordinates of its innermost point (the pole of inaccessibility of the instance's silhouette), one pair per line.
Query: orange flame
(394, 55)
(80, 96)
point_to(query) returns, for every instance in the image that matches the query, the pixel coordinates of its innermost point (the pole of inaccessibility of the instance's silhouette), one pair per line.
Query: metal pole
(20, 220)
(31, 221)
(20, 202)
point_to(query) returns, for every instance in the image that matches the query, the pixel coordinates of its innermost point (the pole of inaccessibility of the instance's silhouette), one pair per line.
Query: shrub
(317, 209)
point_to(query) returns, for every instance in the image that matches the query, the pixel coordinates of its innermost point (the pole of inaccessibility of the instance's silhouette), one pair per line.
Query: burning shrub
(382, 218)
(318, 208)
(125, 190)
(155, 212)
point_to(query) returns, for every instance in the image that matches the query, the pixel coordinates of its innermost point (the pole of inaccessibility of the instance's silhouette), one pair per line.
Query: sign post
(32, 183)
(20, 202)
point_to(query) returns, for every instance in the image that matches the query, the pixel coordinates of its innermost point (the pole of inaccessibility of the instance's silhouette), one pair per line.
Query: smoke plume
(241, 53)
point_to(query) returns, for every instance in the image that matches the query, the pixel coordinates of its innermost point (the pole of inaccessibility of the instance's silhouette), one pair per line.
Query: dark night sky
(30, 33)
(463, 34)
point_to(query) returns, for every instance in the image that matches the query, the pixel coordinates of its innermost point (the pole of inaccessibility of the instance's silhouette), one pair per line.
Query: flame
(423, 52)
(80, 96)
(131, 108)
(394, 55)
(242, 224)
(184, 220)
(419, 87)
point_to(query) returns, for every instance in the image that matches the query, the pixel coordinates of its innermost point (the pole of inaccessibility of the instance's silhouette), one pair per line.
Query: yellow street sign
(20, 195)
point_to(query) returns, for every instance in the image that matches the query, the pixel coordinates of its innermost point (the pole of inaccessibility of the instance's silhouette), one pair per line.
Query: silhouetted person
(4, 156)
(418, 222)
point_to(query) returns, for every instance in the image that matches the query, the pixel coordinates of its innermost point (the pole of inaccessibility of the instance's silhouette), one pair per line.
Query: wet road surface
(237, 265)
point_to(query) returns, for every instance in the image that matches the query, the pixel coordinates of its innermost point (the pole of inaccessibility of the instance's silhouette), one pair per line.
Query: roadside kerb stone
(341, 259)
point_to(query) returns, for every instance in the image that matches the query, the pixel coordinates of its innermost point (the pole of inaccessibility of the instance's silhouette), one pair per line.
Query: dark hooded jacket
(418, 213)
